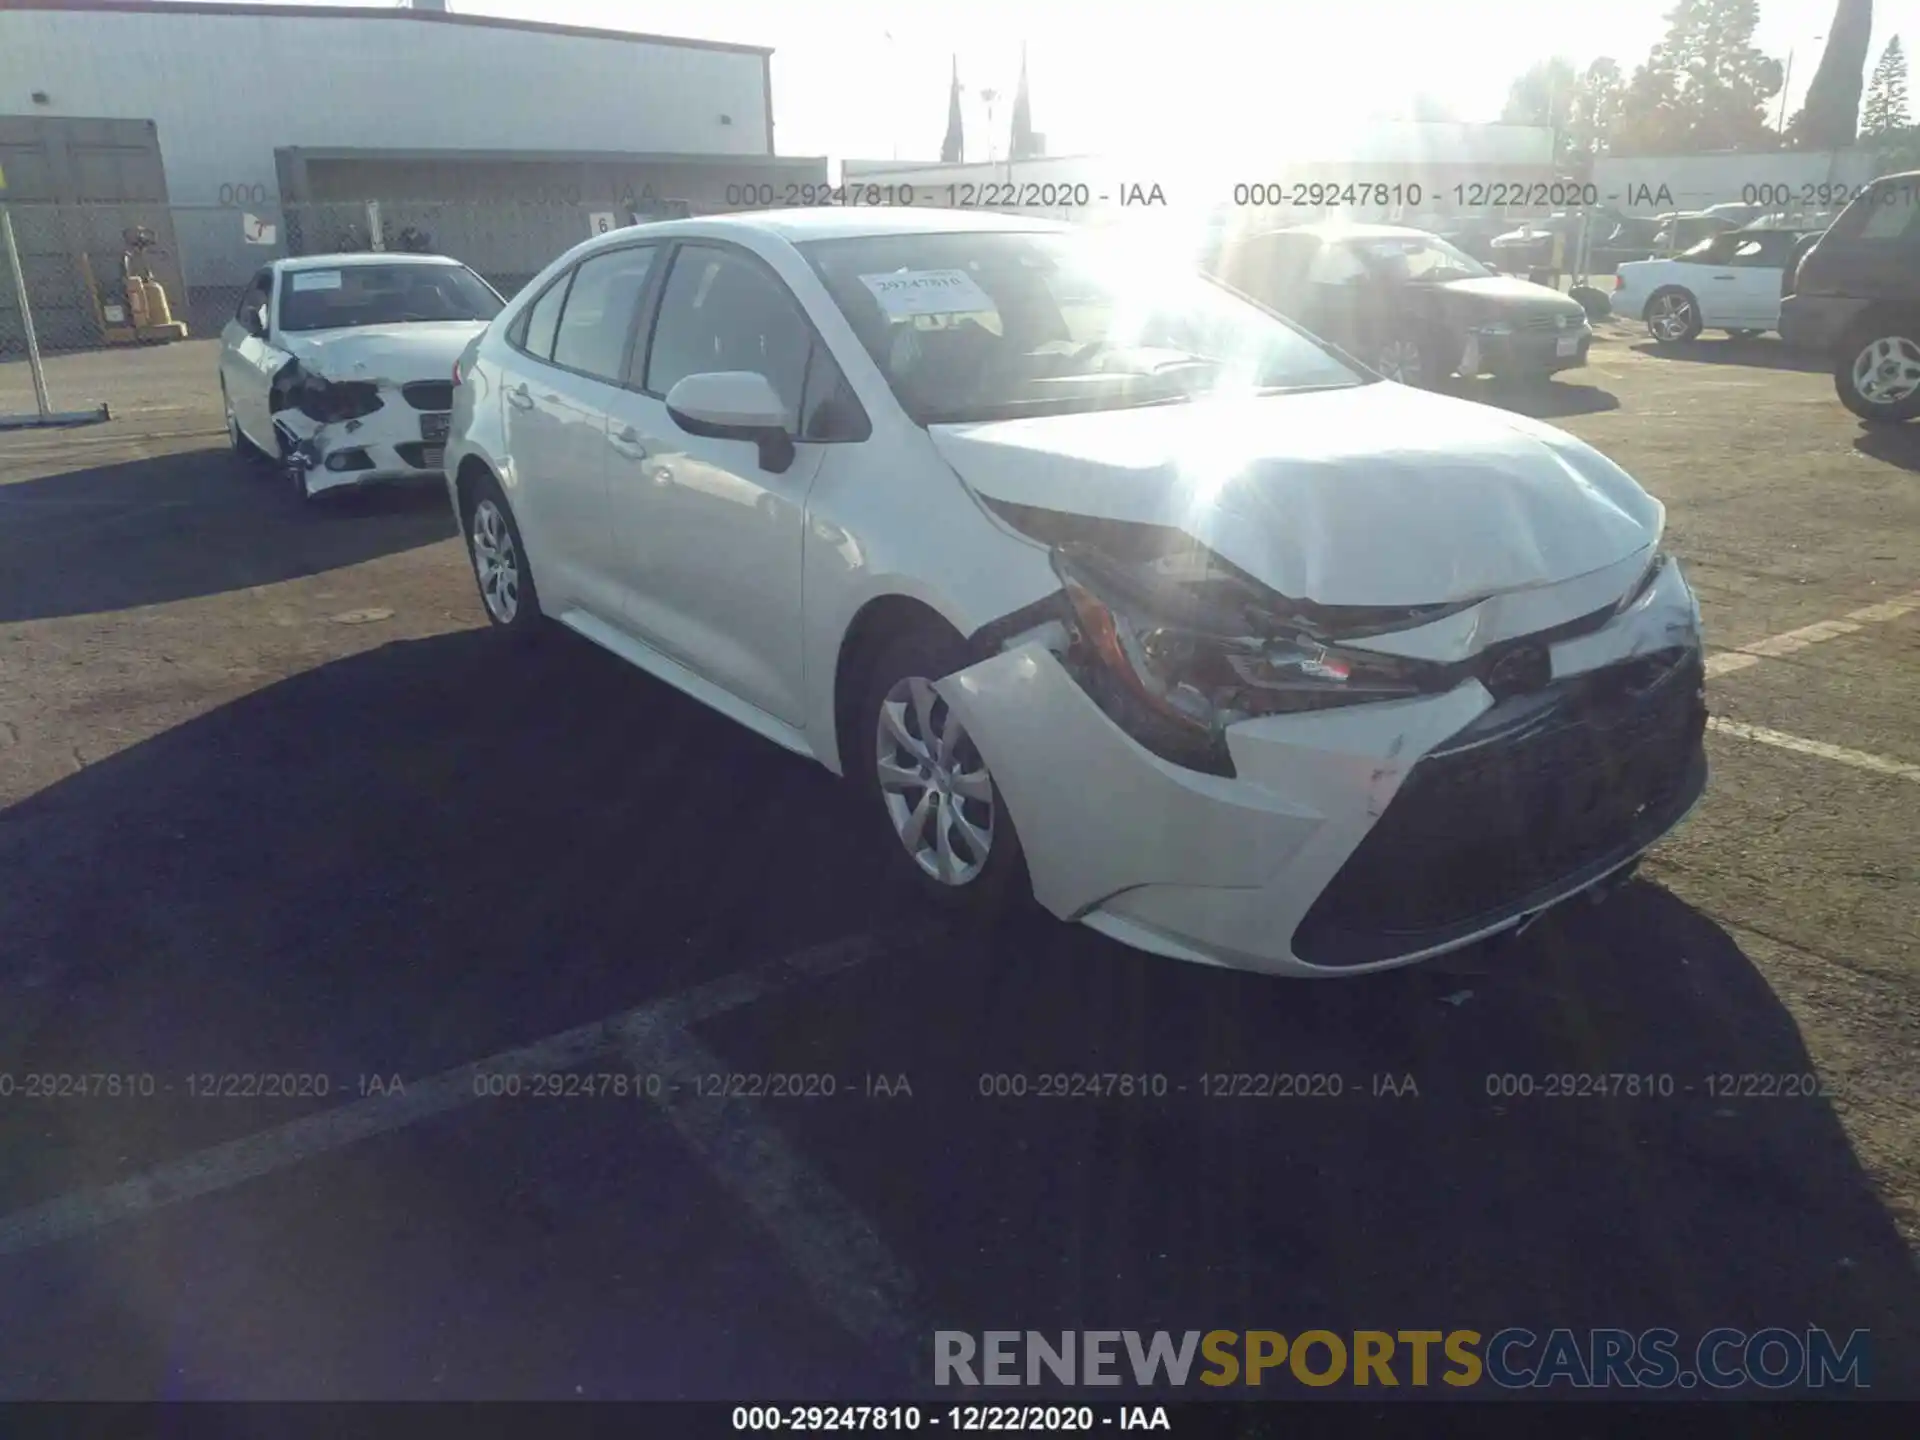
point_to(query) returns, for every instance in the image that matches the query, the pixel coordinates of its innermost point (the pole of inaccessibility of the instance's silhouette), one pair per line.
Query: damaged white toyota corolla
(1101, 581)
(340, 367)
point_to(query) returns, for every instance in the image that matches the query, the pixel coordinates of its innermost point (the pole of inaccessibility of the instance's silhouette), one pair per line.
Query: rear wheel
(948, 833)
(1877, 375)
(1673, 316)
(500, 563)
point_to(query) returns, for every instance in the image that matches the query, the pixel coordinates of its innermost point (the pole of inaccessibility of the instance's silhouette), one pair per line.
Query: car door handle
(519, 398)
(628, 443)
(1726, 277)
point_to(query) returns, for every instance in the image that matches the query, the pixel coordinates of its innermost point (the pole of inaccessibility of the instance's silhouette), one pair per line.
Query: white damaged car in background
(340, 367)
(1104, 585)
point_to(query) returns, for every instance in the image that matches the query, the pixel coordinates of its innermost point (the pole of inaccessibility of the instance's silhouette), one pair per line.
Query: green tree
(1886, 107)
(1595, 112)
(1703, 87)
(1543, 95)
(1831, 119)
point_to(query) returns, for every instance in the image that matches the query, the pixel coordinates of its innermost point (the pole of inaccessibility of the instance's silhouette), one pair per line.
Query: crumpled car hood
(1374, 495)
(416, 350)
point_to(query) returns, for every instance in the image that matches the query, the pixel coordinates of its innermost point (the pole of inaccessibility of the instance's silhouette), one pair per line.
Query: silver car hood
(1373, 495)
(416, 350)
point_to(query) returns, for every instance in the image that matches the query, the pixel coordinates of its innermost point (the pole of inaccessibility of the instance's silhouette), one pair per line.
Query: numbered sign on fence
(257, 231)
(601, 221)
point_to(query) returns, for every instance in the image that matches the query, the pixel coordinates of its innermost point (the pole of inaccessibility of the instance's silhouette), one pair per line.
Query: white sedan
(1103, 584)
(1731, 282)
(340, 367)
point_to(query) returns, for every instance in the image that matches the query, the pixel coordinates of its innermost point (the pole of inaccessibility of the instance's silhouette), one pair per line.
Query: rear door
(567, 356)
(1875, 244)
(1707, 271)
(1759, 260)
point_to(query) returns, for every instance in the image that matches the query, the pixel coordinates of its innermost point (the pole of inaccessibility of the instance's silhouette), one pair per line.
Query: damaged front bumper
(403, 440)
(1358, 838)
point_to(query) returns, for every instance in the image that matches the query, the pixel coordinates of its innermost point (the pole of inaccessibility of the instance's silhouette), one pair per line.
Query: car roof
(1331, 230)
(850, 222)
(292, 263)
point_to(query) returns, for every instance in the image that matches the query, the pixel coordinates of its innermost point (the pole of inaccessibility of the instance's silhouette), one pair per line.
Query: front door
(710, 539)
(248, 362)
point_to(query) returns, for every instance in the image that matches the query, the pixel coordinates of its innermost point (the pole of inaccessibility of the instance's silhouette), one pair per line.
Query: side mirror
(734, 405)
(255, 321)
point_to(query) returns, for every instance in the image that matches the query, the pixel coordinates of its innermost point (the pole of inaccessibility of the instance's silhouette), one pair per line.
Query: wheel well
(878, 622)
(472, 471)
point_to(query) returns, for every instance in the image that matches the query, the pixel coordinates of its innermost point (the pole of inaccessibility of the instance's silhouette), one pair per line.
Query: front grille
(1507, 814)
(1530, 324)
(429, 394)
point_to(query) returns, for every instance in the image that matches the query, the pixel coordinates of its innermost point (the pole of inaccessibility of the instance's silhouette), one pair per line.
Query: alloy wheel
(1671, 318)
(1887, 370)
(935, 783)
(1400, 360)
(496, 562)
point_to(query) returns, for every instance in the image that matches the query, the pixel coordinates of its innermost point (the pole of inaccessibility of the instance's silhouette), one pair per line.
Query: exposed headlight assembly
(327, 401)
(1174, 662)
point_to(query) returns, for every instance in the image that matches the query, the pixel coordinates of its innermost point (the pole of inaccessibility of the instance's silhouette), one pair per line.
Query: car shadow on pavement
(1895, 444)
(175, 526)
(1543, 400)
(417, 856)
(1761, 351)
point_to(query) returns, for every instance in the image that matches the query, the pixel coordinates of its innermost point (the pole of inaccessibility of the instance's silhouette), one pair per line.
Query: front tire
(236, 437)
(1877, 374)
(1402, 358)
(499, 559)
(1673, 316)
(947, 831)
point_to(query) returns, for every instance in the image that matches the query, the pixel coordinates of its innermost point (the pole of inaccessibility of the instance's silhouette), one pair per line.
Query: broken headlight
(330, 401)
(1178, 649)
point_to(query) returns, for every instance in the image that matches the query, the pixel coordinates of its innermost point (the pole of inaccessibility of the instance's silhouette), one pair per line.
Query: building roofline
(345, 12)
(418, 155)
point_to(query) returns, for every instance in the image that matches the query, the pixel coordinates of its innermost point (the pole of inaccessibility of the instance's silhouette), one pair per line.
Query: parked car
(1735, 212)
(1407, 303)
(1731, 282)
(339, 367)
(1855, 297)
(1680, 232)
(1103, 584)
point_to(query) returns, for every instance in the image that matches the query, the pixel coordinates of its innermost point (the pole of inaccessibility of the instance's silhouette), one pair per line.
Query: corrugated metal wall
(226, 91)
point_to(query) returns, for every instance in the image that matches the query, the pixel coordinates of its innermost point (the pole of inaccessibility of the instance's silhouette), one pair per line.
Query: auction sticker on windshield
(316, 279)
(906, 293)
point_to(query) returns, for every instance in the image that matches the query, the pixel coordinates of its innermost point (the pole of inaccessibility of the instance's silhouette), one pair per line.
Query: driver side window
(1336, 265)
(253, 301)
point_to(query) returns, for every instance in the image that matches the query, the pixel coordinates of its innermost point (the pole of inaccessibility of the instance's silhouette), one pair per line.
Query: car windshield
(323, 299)
(998, 324)
(1419, 259)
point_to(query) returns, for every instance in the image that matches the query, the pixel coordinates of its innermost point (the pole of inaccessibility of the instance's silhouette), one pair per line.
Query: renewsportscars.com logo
(1514, 1358)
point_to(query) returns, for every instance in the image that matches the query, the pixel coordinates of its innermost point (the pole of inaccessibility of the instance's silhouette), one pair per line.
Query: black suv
(1855, 297)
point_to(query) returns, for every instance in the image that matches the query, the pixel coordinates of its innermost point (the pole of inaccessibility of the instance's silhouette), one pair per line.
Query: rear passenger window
(599, 313)
(542, 319)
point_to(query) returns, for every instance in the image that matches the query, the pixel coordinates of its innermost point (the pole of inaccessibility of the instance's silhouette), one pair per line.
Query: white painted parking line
(1725, 662)
(847, 1269)
(1859, 759)
(224, 1166)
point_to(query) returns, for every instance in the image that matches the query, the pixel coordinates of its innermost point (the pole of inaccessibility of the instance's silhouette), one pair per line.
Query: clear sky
(858, 78)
